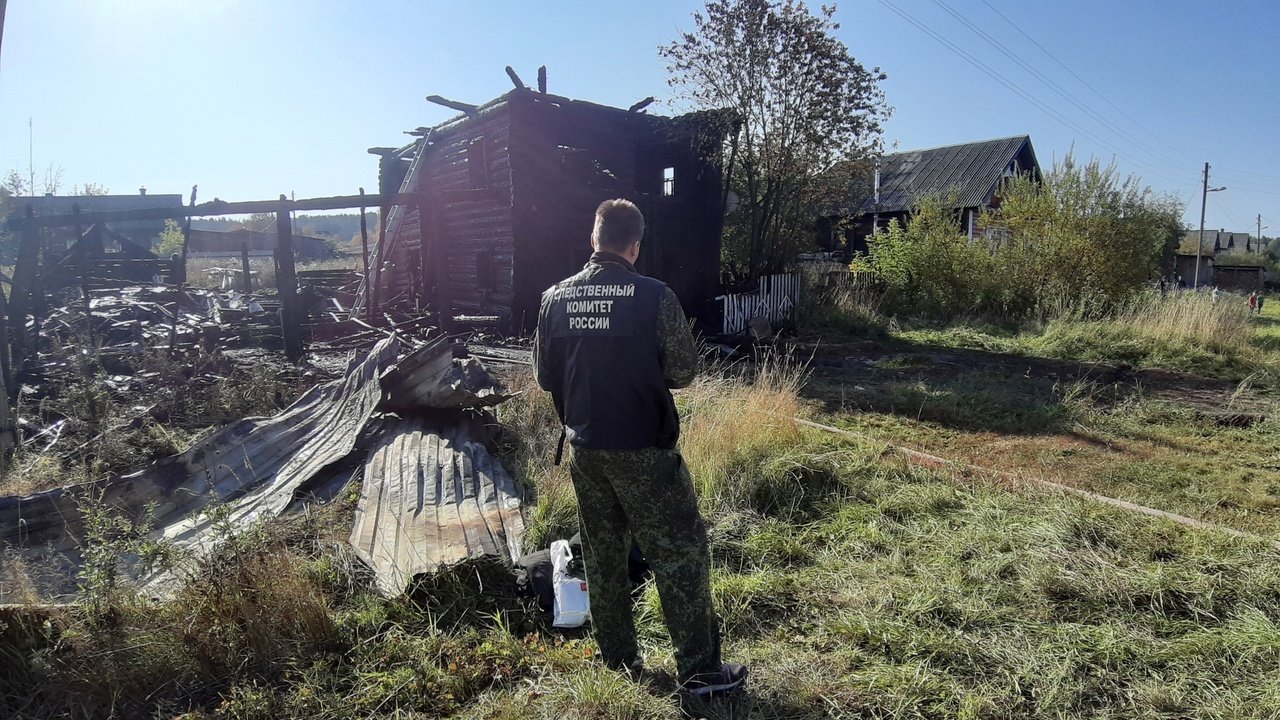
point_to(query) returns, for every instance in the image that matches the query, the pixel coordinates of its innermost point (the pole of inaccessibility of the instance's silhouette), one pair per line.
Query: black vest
(608, 384)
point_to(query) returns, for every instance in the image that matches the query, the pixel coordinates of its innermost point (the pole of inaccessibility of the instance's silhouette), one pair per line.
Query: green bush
(1082, 240)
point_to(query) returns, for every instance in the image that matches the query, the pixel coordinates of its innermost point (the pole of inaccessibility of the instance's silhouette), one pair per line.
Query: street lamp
(1200, 245)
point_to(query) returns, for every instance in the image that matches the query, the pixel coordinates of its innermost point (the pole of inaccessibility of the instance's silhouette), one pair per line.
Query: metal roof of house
(971, 170)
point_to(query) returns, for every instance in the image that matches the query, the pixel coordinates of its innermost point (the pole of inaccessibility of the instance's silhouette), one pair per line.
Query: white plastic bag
(572, 607)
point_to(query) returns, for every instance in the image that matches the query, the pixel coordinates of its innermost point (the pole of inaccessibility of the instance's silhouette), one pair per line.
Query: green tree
(170, 238)
(15, 184)
(1083, 238)
(1084, 235)
(803, 102)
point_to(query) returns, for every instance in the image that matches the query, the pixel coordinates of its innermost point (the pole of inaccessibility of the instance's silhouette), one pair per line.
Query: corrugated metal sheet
(433, 495)
(252, 469)
(261, 467)
(431, 377)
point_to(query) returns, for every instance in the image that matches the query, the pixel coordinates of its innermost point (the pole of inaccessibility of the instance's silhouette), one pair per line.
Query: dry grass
(530, 432)
(1194, 318)
(730, 421)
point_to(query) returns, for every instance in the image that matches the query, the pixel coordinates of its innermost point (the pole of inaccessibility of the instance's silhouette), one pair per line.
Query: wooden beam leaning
(364, 243)
(287, 284)
(642, 104)
(467, 108)
(515, 79)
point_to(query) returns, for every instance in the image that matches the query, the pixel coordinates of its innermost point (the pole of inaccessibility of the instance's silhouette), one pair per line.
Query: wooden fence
(778, 297)
(776, 300)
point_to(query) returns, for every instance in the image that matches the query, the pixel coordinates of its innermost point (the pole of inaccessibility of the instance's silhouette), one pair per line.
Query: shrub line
(924, 459)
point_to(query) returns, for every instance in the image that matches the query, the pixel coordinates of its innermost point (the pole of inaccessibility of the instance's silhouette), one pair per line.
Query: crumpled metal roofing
(433, 495)
(260, 467)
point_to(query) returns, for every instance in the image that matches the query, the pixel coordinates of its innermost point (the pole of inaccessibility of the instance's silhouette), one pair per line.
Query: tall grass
(853, 311)
(733, 423)
(1193, 318)
(1184, 331)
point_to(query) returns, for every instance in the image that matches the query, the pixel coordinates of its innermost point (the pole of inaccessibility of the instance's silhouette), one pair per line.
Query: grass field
(853, 584)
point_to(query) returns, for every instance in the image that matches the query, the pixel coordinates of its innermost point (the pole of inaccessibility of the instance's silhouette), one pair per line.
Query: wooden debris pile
(413, 427)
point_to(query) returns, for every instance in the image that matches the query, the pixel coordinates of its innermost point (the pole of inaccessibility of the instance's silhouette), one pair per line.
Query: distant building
(218, 243)
(968, 174)
(1223, 241)
(142, 232)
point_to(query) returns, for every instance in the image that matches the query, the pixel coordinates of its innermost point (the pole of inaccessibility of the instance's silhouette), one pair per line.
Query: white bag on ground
(572, 607)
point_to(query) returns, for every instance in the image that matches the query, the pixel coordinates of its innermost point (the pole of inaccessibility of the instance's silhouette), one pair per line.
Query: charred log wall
(568, 157)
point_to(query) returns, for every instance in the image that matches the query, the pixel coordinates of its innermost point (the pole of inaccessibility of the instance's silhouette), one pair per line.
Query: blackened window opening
(477, 165)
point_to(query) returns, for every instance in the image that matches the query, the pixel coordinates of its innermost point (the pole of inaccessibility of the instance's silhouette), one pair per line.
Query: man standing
(610, 344)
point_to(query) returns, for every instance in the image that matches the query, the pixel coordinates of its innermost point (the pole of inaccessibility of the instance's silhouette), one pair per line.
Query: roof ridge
(1025, 136)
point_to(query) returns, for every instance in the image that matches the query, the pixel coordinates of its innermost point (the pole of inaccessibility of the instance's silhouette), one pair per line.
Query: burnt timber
(431, 495)
(506, 194)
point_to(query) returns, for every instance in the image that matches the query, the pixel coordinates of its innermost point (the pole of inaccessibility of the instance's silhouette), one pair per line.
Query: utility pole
(1204, 196)
(3, 5)
(1259, 233)
(875, 214)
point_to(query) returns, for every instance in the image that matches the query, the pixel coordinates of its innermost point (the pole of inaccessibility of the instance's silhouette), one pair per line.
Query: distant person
(1214, 293)
(1260, 299)
(1163, 286)
(1253, 303)
(610, 344)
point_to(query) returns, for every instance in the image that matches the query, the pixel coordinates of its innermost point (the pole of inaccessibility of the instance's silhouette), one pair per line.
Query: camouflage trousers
(650, 493)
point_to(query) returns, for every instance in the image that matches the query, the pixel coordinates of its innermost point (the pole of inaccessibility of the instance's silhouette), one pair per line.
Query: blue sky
(253, 98)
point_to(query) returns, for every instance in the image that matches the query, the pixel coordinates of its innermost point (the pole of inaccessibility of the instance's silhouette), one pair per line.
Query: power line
(1247, 172)
(1084, 82)
(1020, 92)
(1055, 87)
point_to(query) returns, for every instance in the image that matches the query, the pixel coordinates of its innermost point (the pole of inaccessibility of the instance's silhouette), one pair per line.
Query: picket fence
(776, 299)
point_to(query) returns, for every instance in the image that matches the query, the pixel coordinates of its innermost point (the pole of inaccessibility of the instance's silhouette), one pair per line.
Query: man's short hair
(618, 224)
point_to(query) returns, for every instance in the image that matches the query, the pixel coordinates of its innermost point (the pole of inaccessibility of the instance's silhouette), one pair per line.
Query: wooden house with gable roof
(966, 175)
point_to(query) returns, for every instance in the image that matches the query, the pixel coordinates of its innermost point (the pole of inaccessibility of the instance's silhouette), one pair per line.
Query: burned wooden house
(505, 200)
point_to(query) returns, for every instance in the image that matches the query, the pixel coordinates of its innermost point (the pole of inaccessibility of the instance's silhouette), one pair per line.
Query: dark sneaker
(731, 679)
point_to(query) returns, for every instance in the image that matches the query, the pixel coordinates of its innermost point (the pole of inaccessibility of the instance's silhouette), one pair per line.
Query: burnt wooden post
(376, 281)
(186, 240)
(419, 281)
(287, 284)
(364, 244)
(180, 277)
(6, 366)
(20, 297)
(82, 248)
(438, 261)
(244, 268)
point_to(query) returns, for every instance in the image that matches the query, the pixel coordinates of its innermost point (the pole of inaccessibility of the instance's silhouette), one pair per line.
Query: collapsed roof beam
(217, 207)
(641, 105)
(515, 79)
(467, 108)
